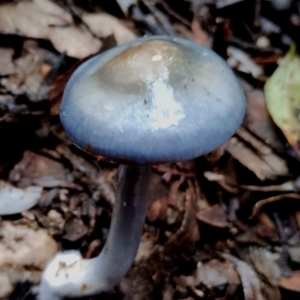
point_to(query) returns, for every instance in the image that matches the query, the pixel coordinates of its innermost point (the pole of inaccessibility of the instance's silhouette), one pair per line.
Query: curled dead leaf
(44, 19)
(215, 216)
(258, 205)
(14, 200)
(250, 280)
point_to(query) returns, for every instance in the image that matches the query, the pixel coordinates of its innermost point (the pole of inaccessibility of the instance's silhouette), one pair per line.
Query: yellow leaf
(282, 92)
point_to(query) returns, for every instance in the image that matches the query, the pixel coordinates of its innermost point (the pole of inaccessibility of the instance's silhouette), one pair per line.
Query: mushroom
(150, 101)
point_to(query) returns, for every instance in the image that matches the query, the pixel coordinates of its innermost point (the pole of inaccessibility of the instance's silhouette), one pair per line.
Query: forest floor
(223, 226)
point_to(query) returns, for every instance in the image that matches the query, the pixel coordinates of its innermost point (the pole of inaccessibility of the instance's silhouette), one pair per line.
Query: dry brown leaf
(93, 249)
(258, 205)
(258, 119)
(145, 249)
(267, 223)
(24, 72)
(291, 283)
(7, 66)
(157, 199)
(188, 231)
(55, 219)
(271, 292)
(24, 254)
(265, 152)
(263, 161)
(14, 200)
(289, 186)
(264, 262)
(28, 71)
(243, 62)
(103, 25)
(74, 229)
(176, 197)
(158, 210)
(212, 274)
(214, 216)
(104, 181)
(250, 280)
(213, 176)
(45, 20)
(249, 159)
(40, 170)
(223, 180)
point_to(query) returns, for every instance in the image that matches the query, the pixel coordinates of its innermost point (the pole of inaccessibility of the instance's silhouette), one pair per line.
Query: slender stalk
(126, 227)
(68, 275)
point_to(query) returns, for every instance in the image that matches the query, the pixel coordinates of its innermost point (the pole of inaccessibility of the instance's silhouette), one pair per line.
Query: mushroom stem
(126, 226)
(69, 275)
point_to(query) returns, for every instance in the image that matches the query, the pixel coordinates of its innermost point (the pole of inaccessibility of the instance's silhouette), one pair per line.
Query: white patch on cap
(156, 57)
(165, 110)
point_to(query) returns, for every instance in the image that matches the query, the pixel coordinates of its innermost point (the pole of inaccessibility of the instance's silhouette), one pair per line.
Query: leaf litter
(282, 97)
(25, 252)
(221, 227)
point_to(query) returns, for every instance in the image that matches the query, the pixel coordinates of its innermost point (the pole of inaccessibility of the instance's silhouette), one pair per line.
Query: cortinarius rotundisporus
(151, 101)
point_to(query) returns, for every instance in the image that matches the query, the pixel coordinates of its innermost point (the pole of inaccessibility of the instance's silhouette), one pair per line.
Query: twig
(160, 17)
(175, 14)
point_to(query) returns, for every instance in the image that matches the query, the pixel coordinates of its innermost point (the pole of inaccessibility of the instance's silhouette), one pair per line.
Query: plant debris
(24, 254)
(14, 200)
(223, 226)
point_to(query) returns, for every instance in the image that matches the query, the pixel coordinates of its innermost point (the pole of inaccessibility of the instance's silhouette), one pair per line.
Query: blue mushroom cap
(153, 100)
